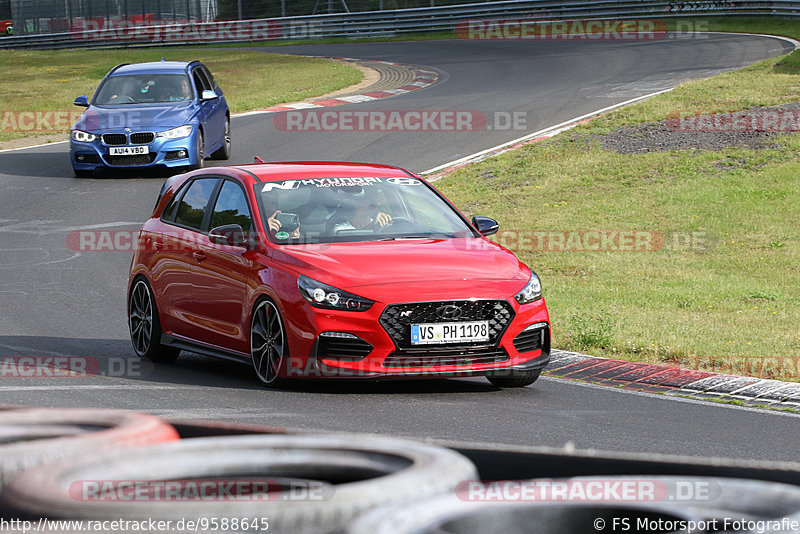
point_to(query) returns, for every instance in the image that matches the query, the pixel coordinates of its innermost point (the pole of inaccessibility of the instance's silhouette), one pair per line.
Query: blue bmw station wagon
(159, 114)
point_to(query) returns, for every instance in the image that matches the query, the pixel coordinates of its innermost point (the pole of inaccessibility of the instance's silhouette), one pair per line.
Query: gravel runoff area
(705, 132)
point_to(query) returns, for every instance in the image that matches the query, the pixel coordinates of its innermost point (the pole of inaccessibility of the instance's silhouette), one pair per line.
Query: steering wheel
(395, 220)
(123, 99)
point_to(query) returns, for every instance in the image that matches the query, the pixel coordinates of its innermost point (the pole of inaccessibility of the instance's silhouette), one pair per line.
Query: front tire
(199, 152)
(224, 152)
(518, 379)
(145, 327)
(268, 347)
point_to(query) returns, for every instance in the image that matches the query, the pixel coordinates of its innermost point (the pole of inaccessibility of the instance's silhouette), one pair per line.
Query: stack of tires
(99, 465)
(349, 475)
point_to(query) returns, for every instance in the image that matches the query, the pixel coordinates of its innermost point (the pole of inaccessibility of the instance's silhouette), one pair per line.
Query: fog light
(80, 157)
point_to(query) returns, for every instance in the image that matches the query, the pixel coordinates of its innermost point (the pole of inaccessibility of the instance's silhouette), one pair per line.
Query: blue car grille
(115, 139)
(139, 159)
(138, 138)
(142, 138)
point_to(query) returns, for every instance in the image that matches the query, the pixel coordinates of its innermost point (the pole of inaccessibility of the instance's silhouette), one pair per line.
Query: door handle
(199, 255)
(158, 245)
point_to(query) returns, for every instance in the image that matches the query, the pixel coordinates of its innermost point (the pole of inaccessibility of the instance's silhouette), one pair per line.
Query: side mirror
(208, 94)
(231, 235)
(485, 225)
(82, 101)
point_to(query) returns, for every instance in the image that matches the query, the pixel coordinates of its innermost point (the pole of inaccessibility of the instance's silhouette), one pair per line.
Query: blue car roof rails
(192, 63)
(117, 67)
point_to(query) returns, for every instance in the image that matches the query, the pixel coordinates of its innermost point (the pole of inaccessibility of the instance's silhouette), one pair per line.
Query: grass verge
(50, 80)
(721, 293)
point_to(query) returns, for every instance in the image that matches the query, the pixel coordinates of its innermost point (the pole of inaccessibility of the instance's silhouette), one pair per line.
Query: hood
(138, 117)
(353, 265)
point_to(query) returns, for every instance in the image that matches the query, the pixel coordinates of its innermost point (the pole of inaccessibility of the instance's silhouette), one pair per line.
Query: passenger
(182, 93)
(275, 226)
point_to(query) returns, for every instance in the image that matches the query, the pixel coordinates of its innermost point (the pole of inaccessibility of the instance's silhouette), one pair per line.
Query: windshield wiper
(394, 238)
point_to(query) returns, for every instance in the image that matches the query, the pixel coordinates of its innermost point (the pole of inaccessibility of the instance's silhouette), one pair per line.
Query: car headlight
(322, 295)
(531, 292)
(177, 133)
(83, 137)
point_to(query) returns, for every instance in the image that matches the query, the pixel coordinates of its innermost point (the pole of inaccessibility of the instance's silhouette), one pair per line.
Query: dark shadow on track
(93, 360)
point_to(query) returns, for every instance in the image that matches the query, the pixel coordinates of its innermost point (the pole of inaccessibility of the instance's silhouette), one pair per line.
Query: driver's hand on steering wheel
(382, 219)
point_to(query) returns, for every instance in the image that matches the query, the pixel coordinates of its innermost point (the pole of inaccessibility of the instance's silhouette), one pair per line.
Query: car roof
(153, 67)
(295, 170)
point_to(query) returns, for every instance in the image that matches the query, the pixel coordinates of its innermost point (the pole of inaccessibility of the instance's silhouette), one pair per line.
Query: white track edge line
(541, 133)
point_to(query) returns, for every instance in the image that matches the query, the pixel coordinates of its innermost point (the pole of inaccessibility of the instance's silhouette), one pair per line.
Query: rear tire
(145, 327)
(518, 379)
(224, 152)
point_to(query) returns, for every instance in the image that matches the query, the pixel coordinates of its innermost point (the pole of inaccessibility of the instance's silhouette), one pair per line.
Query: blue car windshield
(144, 89)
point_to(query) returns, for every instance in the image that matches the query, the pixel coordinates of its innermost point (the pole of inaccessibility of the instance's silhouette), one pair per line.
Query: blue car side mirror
(208, 94)
(82, 101)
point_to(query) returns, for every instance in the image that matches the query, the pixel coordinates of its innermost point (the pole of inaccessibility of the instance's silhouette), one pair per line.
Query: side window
(200, 80)
(211, 81)
(231, 207)
(169, 212)
(194, 204)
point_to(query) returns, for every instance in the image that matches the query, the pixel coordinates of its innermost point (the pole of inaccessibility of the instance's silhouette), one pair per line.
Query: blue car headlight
(322, 295)
(177, 133)
(531, 292)
(83, 137)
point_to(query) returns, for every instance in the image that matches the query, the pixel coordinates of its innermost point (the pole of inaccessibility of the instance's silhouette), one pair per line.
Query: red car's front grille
(336, 348)
(397, 319)
(446, 357)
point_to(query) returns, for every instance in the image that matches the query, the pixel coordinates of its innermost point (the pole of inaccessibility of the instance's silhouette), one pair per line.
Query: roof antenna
(163, 59)
(258, 160)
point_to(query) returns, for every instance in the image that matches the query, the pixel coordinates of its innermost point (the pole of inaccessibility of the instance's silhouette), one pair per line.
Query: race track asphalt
(57, 301)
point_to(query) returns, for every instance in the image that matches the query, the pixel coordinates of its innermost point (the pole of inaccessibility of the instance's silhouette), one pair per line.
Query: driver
(365, 216)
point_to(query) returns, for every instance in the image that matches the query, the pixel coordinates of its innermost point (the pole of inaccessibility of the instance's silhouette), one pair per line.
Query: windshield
(329, 210)
(144, 89)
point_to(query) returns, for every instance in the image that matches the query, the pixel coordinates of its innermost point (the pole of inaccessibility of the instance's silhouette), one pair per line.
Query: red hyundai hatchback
(341, 270)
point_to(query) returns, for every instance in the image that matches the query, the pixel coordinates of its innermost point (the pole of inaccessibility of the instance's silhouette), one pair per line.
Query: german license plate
(128, 150)
(466, 332)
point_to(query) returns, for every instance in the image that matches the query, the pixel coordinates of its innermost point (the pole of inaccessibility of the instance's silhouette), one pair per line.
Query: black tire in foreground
(31, 437)
(344, 476)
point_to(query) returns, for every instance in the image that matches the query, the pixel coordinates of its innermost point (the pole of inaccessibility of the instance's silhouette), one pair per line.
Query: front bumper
(363, 348)
(161, 153)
